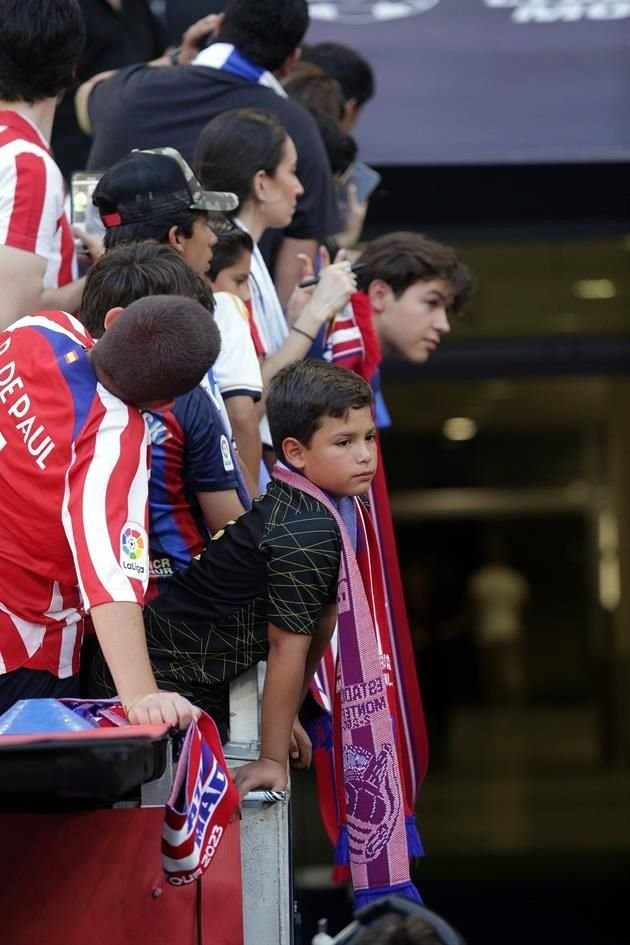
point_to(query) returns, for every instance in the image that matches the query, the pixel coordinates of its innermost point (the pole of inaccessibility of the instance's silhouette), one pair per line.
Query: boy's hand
(158, 707)
(263, 774)
(301, 749)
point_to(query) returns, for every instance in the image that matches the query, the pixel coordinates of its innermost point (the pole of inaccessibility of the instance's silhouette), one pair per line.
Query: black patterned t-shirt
(279, 563)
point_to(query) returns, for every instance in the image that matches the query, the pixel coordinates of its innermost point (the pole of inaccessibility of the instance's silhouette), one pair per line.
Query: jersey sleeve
(236, 370)
(105, 513)
(302, 571)
(31, 202)
(209, 466)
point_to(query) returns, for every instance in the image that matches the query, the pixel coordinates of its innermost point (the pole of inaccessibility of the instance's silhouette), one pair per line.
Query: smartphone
(364, 178)
(82, 210)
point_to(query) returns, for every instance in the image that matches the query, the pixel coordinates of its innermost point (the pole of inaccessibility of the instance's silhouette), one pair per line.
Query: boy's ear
(293, 452)
(174, 239)
(111, 316)
(379, 294)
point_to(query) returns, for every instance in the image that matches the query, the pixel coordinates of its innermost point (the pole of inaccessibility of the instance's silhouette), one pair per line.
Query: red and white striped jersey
(33, 202)
(73, 494)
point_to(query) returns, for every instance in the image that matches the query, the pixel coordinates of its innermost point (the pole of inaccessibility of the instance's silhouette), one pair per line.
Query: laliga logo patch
(133, 550)
(228, 465)
(368, 11)
(562, 11)
(372, 803)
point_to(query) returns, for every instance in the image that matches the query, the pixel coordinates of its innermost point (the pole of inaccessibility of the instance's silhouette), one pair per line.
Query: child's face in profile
(412, 325)
(235, 278)
(341, 457)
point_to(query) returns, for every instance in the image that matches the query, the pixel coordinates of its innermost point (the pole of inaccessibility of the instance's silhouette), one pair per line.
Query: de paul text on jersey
(18, 404)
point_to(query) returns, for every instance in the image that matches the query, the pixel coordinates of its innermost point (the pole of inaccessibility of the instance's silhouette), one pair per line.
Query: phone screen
(83, 211)
(364, 178)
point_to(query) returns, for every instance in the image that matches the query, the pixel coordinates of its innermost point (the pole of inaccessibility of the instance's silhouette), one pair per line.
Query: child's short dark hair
(132, 271)
(157, 349)
(229, 249)
(303, 394)
(402, 259)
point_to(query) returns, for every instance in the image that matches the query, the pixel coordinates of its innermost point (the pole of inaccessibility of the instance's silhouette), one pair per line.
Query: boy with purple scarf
(272, 585)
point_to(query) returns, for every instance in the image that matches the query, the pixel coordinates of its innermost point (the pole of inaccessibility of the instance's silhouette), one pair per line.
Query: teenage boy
(73, 492)
(156, 195)
(413, 284)
(40, 45)
(258, 44)
(194, 486)
(266, 587)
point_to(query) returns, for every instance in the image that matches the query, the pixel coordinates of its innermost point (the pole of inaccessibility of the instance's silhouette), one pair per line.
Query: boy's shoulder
(285, 507)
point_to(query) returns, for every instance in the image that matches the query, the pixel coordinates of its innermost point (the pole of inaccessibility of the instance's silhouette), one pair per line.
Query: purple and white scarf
(372, 786)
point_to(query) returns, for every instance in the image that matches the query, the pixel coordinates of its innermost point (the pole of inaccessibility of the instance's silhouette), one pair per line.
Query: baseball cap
(153, 183)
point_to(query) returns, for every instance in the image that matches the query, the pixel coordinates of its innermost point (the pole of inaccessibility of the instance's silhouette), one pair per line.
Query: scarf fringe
(364, 897)
(341, 856)
(414, 843)
(320, 732)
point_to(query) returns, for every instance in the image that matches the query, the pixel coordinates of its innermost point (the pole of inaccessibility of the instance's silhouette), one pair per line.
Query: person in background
(257, 45)
(249, 152)
(322, 95)
(73, 493)
(499, 594)
(41, 42)
(118, 33)
(353, 73)
(155, 195)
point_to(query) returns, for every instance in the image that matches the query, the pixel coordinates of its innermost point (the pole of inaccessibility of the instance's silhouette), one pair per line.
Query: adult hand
(91, 246)
(264, 774)
(157, 708)
(301, 749)
(337, 283)
(194, 37)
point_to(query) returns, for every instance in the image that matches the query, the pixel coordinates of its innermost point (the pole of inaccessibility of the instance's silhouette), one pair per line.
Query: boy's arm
(321, 638)
(291, 663)
(280, 701)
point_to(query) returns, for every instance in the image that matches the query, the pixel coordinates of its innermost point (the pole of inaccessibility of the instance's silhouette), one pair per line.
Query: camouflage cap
(152, 184)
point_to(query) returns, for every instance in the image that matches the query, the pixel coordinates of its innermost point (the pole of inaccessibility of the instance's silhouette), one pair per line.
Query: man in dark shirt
(148, 107)
(117, 33)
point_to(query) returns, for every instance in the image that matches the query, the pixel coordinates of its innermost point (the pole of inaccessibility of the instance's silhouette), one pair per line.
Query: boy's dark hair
(303, 394)
(340, 147)
(41, 42)
(159, 348)
(265, 31)
(156, 229)
(353, 73)
(229, 249)
(132, 271)
(402, 259)
(234, 146)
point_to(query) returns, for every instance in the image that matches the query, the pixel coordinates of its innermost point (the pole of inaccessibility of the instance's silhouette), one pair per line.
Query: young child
(265, 587)
(231, 263)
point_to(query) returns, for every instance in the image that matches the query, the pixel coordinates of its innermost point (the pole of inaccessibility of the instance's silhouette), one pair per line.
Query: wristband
(174, 55)
(305, 333)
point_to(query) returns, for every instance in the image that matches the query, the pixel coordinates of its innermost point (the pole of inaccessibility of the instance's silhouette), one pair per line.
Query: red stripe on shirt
(28, 204)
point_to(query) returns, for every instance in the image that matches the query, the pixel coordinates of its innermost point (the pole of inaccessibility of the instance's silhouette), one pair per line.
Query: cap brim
(217, 201)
